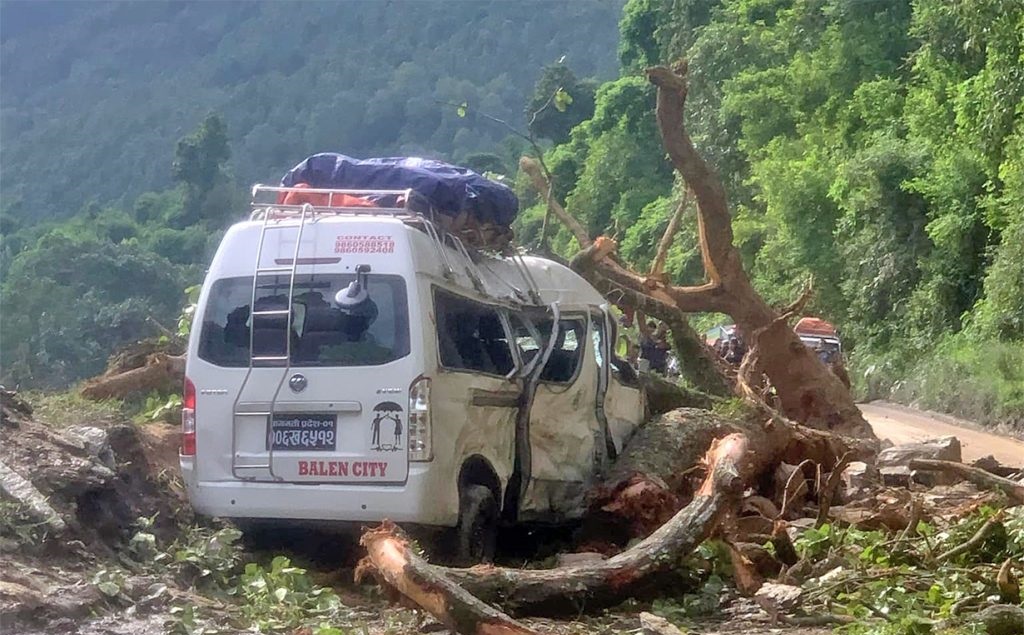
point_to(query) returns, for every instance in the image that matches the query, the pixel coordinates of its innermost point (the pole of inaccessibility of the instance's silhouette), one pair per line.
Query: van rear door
(322, 395)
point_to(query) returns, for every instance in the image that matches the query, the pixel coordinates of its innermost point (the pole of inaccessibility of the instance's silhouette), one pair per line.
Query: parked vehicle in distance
(352, 361)
(820, 336)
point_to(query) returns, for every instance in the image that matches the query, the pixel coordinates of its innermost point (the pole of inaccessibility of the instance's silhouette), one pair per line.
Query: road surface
(900, 424)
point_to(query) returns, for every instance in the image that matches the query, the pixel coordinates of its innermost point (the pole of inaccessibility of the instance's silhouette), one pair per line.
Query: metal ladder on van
(268, 414)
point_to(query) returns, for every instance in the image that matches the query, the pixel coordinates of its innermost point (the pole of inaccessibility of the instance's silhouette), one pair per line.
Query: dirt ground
(900, 424)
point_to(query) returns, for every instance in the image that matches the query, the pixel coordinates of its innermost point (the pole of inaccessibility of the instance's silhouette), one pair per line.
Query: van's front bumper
(416, 501)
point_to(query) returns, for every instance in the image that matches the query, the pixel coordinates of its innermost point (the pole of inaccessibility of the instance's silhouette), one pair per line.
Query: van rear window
(320, 333)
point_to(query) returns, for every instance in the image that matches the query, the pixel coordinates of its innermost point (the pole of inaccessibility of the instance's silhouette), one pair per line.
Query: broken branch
(392, 559)
(540, 183)
(976, 475)
(437, 589)
(658, 265)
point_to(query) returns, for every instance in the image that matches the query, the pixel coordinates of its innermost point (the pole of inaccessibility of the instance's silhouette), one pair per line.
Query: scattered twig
(827, 493)
(977, 539)
(822, 619)
(790, 492)
(915, 517)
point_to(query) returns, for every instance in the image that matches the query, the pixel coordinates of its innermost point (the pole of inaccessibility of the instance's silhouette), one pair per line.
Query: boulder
(858, 479)
(942, 449)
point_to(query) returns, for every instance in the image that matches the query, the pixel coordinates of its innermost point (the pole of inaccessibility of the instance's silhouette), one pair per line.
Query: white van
(360, 364)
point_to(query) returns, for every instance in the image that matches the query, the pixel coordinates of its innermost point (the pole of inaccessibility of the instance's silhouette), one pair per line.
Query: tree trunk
(392, 561)
(439, 590)
(651, 473)
(161, 372)
(807, 391)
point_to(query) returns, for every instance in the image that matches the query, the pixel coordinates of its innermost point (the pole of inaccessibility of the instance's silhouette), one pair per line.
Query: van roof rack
(331, 202)
(310, 203)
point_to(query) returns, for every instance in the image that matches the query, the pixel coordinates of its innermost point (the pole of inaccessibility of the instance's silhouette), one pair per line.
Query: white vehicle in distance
(359, 364)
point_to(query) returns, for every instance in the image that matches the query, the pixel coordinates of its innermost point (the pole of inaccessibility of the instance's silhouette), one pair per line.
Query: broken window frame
(436, 293)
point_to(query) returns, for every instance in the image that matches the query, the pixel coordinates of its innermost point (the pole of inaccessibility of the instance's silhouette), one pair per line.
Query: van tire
(477, 531)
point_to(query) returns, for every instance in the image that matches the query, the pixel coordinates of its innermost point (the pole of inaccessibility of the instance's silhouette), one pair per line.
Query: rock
(21, 490)
(896, 476)
(943, 449)
(95, 443)
(1002, 619)
(900, 456)
(13, 408)
(778, 599)
(858, 479)
(888, 509)
(576, 559)
(990, 464)
(651, 624)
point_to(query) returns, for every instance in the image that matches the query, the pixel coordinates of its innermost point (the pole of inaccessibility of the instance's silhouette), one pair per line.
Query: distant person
(654, 347)
(733, 352)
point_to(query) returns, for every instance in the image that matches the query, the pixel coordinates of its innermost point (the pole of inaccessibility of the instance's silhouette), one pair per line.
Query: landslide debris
(70, 501)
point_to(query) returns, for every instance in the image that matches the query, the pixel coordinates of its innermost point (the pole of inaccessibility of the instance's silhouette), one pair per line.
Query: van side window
(470, 335)
(568, 352)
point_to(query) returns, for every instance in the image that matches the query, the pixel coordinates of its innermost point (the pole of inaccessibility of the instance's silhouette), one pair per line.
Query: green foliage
(99, 114)
(161, 408)
(973, 378)
(18, 526)
(65, 408)
(77, 297)
(899, 586)
(283, 597)
(875, 147)
(209, 558)
(560, 101)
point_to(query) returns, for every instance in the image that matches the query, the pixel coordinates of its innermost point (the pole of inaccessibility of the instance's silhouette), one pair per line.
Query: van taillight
(420, 446)
(188, 419)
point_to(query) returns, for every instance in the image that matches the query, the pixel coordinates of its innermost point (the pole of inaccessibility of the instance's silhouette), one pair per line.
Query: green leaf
(281, 593)
(562, 100)
(108, 588)
(461, 109)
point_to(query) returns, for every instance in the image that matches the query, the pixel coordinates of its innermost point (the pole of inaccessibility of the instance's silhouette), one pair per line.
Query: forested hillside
(105, 128)
(95, 94)
(876, 147)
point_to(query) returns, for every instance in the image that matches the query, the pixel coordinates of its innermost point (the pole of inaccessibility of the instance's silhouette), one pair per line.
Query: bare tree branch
(542, 184)
(658, 265)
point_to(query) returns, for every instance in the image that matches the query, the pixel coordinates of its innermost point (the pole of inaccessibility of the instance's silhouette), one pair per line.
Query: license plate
(305, 432)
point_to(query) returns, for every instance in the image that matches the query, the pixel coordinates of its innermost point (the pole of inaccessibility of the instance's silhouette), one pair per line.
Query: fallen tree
(160, 372)
(645, 483)
(805, 388)
(440, 591)
(154, 364)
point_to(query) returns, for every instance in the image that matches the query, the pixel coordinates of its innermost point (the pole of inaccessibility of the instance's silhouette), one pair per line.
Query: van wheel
(477, 531)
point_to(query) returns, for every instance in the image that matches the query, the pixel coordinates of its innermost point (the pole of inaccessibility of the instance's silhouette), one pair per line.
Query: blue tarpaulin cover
(448, 188)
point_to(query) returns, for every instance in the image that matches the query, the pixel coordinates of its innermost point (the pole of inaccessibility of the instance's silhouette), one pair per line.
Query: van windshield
(321, 333)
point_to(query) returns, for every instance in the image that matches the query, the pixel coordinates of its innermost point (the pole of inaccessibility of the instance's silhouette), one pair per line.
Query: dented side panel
(472, 414)
(624, 409)
(564, 437)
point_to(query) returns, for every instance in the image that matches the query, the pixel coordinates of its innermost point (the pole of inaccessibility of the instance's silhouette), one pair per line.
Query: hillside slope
(95, 94)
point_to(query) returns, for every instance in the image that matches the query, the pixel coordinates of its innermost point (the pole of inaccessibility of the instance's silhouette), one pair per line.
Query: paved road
(900, 424)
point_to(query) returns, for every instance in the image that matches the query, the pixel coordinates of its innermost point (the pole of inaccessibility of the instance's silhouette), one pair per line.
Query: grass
(975, 379)
(69, 408)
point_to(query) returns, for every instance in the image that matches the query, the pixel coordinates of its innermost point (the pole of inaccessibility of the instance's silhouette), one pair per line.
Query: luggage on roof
(815, 326)
(451, 190)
